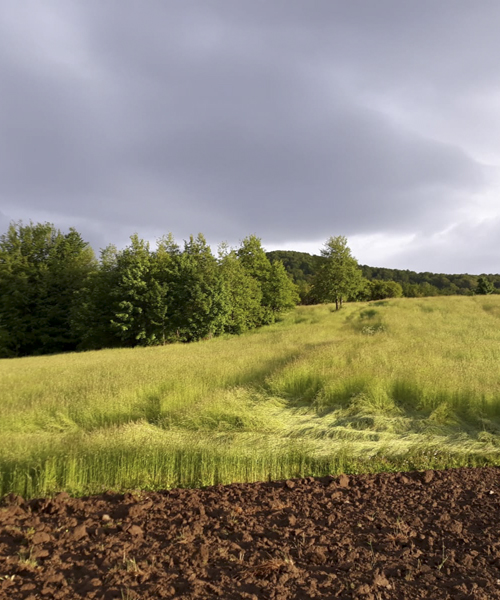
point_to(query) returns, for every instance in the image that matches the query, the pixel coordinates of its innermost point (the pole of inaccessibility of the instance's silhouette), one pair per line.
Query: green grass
(400, 384)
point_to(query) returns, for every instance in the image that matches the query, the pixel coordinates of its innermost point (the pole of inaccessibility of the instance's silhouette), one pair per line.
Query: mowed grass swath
(399, 384)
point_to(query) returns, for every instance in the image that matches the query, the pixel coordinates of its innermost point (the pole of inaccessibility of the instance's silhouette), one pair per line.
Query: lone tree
(339, 276)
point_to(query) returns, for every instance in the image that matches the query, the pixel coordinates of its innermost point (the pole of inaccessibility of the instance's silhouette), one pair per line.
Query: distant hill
(302, 267)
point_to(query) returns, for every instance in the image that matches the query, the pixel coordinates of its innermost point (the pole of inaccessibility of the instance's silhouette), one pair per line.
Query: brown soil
(407, 535)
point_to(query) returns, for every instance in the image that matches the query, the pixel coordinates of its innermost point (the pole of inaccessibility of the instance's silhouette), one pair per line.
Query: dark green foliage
(124, 303)
(254, 258)
(142, 297)
(165, 274)
(379, 290)
(95, 310)
(484, 286)
(243, 292)
(138, 299)
(55, 296)
(283, 293)
(199, 301)
(420, 290)
(279, 293)
(427, 284)
(303, 266)
(42, 273)
(255, 262)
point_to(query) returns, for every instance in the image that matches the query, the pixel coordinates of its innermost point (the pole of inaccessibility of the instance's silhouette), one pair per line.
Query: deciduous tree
(484, 286)
(243, 292)
(42, 272)
(200, 306)
(339, 276)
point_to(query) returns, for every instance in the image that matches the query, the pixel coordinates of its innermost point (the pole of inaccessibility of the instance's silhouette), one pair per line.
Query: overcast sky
(295, 120)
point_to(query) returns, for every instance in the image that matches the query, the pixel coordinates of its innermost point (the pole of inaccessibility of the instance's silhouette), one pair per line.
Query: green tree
(132, 294)
(427, 289)
(364, 292)
(279, 293)
(166, 269)
(254, 258)
(257, 265)
(283, 293)
(411, 290)
(243, 292)
(339, 276)
(96, 307)
(127, 302)
(384, 289)
(300, 265)
(200, 305)
(484, 286)
(42, 272)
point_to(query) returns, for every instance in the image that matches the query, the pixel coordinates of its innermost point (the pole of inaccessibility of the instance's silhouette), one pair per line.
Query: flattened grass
(407, 383)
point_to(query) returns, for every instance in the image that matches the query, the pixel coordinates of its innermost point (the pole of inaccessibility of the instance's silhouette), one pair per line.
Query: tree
(257, 265)
(365, 291)
(42, 272)
(378, 289)
(300, 265)
(131, 294)
(484, 286)
(200, 305)
(411, 290)
(427, 289)
(165, 275)
(243, 292)
(279, 292)
(339, 276)
(283, 293)
(95, 310)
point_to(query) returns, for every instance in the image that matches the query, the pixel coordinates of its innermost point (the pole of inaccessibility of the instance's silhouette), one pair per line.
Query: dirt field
(407, 535)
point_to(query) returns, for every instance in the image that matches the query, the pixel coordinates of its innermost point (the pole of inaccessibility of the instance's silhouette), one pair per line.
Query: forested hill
(302, 267)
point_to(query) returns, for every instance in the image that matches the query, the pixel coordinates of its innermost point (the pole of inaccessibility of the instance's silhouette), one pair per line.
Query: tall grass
(407, 383)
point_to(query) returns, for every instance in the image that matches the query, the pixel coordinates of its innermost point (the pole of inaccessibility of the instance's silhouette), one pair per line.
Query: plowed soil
(408, 535)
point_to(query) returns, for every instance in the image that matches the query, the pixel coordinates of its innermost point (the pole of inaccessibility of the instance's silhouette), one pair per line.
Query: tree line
(303, 266)
(55, 296)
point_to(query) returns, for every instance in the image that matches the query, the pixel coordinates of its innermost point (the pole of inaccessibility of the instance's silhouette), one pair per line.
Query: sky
(294, 120)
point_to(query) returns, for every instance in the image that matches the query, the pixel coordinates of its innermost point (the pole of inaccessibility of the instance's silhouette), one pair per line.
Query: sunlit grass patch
(405, 383)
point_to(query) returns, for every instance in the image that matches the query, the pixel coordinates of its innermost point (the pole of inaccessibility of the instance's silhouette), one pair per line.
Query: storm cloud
(294, 120)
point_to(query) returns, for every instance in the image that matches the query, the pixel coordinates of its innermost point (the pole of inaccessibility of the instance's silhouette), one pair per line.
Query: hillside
(302, 267)
(388, 385)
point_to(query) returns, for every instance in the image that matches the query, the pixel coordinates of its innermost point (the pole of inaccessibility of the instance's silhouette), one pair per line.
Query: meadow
(391, 385)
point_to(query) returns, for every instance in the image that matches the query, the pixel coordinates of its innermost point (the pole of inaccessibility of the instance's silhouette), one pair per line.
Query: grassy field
(399, 384)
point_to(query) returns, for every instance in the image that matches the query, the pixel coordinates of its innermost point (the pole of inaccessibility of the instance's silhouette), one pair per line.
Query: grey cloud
(238, 117)
(468, 247)
(4, 222)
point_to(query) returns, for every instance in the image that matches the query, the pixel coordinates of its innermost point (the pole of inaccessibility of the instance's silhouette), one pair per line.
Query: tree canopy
(42, 272)
(338, 277)
(303, 266)
(484, 286)
(56, 297)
